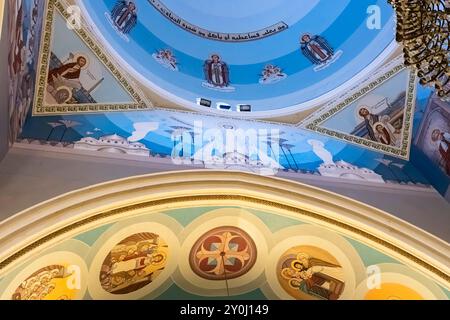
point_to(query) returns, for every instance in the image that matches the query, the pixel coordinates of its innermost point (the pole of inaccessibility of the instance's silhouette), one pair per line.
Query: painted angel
(315, 277)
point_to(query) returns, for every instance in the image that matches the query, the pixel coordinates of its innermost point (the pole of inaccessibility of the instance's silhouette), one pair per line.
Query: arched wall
(36, 229)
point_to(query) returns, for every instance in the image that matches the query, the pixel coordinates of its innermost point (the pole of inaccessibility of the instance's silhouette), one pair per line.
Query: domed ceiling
(273, 55)
(341, 96)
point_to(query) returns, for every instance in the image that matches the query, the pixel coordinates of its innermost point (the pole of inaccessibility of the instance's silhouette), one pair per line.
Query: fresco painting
(228, 65)
(432, 144)
(159, 134)
(311, 273)
(133, 263)
(25, 25)
(303, 271)
(298, 96)
(79, 76)
(381, 119)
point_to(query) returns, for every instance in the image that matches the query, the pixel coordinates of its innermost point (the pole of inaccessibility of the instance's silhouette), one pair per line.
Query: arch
(45, 224)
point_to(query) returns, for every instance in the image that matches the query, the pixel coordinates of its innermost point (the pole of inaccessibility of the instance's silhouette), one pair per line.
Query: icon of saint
(316, 49)
(217, 72)
(124, 16)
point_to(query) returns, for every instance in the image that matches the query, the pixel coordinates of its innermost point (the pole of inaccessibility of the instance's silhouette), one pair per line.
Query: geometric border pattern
(404, 149)
(39, 107)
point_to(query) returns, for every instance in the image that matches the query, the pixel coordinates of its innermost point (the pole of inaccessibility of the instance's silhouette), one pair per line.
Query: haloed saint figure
(442, 139)
(124, 15)
(216, 71)
(316, 49)
(217, 74)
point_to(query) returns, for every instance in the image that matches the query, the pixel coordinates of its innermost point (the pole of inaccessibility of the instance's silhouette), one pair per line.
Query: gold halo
(305, 34)
(363, 106)
(79, 55)
(374, 126)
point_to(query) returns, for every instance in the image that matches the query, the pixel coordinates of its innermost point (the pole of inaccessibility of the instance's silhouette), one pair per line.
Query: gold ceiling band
(149, 204)
(423, 29)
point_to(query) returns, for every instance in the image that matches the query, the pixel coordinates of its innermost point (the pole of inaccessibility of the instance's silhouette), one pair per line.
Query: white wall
(4, 80)
(28, 177)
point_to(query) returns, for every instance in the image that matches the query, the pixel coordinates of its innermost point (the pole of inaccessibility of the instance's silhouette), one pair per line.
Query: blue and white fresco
(431, 149)
(161, 133)
(318, 45)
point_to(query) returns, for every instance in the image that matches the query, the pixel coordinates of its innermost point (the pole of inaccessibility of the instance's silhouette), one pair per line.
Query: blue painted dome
(271, 54)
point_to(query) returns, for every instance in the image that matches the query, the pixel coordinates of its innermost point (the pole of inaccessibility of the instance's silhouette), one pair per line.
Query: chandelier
(423, 29)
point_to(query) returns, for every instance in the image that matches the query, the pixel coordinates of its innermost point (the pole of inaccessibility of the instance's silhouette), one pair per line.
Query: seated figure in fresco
(443, 138)
(316, 49)
(216, 71)
(124, 16)
(63, 79)
(308, 275)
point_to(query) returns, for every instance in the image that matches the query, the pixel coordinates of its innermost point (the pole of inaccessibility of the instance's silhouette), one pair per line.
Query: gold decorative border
(39, 107)
(252, 200)
(403, 151)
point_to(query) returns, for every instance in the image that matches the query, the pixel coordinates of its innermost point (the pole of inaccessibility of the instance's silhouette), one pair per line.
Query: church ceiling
(334, 90)
(277, 56)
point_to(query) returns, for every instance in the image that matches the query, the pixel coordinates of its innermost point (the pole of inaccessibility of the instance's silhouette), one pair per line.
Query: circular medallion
(48, 283)
(394, 281)
(392, 291)
(133, 263)
(309, 272)
(57, 276)
(311, 263)
(223, 253)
